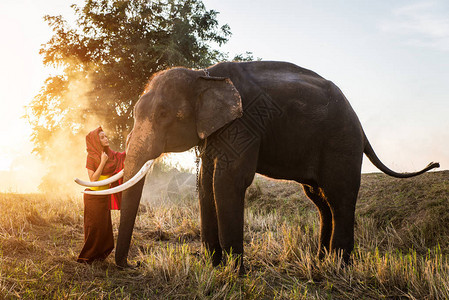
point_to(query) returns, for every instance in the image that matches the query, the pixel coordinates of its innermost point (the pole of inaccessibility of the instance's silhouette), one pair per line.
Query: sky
(390, 59)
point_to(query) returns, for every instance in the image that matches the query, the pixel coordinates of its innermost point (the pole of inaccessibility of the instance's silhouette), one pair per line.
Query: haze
(390, 60)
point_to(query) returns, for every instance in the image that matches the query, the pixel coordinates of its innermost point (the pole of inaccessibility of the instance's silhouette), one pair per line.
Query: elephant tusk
(136, 178)
(107, 181)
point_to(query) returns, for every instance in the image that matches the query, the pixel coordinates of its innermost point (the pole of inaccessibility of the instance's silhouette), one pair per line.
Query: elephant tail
(369, 151)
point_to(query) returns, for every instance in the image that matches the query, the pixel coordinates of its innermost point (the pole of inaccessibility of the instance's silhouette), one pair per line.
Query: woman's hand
(93, 176)
(104, 157)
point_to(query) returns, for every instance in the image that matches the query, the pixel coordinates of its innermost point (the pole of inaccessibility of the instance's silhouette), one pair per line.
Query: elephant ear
(218, 104)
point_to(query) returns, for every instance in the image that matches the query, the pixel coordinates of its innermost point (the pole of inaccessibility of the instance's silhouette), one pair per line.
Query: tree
(106, 59)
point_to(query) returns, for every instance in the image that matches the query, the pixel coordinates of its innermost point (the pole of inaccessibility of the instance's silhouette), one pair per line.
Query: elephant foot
(242, 270)
(127, 266)
(345, 256)
(347, 260)
(322, 253)
(217, 258)
(236, 261)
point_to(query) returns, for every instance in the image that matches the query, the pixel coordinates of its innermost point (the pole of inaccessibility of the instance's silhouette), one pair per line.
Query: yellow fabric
(103, 187)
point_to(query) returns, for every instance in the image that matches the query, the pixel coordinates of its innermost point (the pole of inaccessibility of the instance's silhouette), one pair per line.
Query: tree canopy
(105, 59)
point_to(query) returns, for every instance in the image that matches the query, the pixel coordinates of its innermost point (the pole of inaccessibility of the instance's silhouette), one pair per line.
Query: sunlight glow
(5, 163)
(397, 87)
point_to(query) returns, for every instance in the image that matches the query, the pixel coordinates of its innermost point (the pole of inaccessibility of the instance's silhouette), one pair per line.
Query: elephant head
(178, 108)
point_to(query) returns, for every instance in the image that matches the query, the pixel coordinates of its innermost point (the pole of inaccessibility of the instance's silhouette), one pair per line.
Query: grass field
(401, 251)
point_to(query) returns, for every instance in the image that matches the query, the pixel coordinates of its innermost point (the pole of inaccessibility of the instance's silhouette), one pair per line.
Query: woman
(102, 163)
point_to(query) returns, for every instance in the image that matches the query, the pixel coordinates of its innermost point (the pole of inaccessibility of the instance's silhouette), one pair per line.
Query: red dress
(98, 235)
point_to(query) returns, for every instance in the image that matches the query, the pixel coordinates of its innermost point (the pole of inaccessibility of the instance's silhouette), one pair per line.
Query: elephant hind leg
(315, 194)
(341, 195)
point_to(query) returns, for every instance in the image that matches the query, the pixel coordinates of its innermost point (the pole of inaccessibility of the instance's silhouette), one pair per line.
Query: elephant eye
(162, 114)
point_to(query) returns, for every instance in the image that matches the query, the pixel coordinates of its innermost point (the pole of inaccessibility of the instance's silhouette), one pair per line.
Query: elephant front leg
(229, 200)
(209, 224)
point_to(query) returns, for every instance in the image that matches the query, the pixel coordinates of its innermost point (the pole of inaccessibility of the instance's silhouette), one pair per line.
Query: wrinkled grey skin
(273, 118)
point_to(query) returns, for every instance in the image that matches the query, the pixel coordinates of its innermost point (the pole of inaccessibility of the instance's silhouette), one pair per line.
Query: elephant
(272, 118)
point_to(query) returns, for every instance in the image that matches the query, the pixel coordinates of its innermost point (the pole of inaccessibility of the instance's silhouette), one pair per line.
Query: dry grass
(401, 248)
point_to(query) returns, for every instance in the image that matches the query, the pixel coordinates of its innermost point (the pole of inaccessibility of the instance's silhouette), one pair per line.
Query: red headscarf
(113, 165)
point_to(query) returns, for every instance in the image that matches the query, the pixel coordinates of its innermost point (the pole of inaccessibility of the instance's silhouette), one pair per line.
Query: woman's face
(104, 141)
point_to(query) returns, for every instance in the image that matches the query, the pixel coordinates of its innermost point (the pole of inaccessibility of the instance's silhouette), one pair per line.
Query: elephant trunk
(128, 213)
(131, 196)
